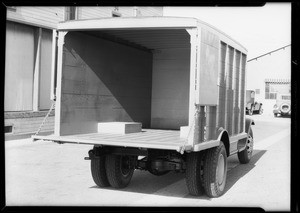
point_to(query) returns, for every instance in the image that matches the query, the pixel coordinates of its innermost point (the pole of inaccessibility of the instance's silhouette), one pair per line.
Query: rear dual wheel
(206, 171)
(119, 170)
(112, 170)
(98, 170)
(194, 172)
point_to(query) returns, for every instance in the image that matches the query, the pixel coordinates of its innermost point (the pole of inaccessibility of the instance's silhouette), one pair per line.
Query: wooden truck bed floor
(148, 138)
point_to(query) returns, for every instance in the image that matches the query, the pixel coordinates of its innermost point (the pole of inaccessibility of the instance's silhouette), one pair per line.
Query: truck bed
(147, 138)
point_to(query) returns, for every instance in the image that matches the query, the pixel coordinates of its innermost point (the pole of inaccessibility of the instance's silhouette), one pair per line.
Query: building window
(286, 97)
(8, 129)
(270, 91)
(275, 87)
(70, 13)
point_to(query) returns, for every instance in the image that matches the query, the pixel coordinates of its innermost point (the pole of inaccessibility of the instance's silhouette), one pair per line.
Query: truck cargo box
(152, 70)
(152, 93)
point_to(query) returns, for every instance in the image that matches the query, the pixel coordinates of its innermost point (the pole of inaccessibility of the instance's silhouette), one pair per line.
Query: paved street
(46, 173)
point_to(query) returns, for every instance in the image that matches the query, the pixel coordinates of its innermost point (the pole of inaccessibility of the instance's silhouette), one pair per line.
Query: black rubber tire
(194, 173)
(211, 183)
(275, 115)
(284, 110)
(118, 176)
(245, 155)
(98, 171)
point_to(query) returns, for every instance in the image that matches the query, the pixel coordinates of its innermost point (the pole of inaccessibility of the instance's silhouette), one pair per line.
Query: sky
(258, 29)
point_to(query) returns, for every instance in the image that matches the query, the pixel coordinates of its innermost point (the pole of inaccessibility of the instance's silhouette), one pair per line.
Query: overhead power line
(269, 53)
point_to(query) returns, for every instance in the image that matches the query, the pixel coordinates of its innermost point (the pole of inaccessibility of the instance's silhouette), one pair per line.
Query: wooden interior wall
(103, 81)
(170, 88)
(19, 66)
(45, 72)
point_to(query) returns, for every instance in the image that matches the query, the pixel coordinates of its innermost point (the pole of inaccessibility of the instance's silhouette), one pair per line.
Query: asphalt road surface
(48, 174)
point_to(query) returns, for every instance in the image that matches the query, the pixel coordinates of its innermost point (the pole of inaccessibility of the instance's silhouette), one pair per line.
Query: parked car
(252, 106)
(283, 105)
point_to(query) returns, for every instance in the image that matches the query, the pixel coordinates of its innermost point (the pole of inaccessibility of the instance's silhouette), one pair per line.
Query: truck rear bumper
(277, 111)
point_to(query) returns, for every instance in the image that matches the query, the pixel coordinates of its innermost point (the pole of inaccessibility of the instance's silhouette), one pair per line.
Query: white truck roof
(159, 22)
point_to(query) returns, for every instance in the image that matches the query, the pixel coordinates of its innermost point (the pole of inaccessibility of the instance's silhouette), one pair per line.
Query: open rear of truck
(158, 87)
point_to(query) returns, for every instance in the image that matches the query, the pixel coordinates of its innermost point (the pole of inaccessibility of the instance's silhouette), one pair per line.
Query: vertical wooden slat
(222, 87)
(202, 123)
(236, 114)
(229, 92)
(243, 84)
(211, 122)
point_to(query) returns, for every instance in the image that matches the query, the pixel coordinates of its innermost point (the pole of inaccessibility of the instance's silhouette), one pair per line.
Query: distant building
(28, 54)
(269, 76)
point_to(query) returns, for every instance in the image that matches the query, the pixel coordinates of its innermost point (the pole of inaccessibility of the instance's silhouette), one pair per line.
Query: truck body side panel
(209, 66)
(229, 111)
(231, 90)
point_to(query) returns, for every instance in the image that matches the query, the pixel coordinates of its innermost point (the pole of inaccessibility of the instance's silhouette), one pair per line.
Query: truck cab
(252, 106)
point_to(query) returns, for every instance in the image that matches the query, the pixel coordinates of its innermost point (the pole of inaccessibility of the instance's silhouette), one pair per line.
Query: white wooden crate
(119, 127)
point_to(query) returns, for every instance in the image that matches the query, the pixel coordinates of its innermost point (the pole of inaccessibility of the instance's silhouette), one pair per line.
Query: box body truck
(158, 94)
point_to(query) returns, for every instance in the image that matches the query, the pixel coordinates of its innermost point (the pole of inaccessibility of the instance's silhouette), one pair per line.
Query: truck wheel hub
(125, 166)
(220, 169)
(249, 145)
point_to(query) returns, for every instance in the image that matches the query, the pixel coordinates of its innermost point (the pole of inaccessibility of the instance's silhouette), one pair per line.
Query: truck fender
(242, 143)
(224, 137)
(249, 122)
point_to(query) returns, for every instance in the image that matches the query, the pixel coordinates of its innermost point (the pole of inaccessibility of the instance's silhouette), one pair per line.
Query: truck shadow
(173, 184)
(242, 169)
